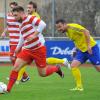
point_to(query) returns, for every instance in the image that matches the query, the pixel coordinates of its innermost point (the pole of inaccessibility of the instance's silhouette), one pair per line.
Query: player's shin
(52, 60)
(51, 69)
(21, 72)
(77, 76)
(12, 80)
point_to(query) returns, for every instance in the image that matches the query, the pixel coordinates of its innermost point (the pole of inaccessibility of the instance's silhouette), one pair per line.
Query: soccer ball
(3, 87)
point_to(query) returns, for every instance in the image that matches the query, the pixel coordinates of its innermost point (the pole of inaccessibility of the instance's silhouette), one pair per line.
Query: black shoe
(59, 72)
(25, 79)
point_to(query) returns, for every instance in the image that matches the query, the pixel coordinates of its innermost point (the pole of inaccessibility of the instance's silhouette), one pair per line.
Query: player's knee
(98, 68)
(72, 66)
(16, 67)
(42, 71)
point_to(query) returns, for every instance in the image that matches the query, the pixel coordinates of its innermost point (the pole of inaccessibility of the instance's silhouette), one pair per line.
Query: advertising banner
(60, 49)
(4, 51)
(55, 48)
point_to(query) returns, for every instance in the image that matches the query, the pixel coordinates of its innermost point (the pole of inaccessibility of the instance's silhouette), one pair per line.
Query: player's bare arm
(20, 44)
(4, 32)
(87, 36)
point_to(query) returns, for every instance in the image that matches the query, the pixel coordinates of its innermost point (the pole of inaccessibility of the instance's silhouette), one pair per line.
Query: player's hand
(89, 50)
(3, 35)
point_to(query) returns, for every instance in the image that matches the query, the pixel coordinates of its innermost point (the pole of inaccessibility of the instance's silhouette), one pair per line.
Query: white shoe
(66, 63)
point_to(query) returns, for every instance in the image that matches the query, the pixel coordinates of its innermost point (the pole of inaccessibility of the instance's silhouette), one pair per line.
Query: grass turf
(53, 87)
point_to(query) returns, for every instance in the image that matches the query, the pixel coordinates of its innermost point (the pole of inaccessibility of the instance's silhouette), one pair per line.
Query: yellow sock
(52, 60)
(77, 75)
(20, 74)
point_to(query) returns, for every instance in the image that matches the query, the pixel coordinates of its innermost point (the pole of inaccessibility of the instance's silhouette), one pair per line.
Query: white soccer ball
(3, 87)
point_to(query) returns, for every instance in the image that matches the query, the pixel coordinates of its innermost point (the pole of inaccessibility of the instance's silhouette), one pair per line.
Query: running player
(32, 47)
(86, 46)
(32, 10)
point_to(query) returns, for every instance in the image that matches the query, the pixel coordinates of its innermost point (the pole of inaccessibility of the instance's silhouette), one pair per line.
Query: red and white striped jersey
(28, 29)
(13, 29)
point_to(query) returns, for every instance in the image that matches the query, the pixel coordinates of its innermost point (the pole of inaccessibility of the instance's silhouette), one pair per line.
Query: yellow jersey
(36, 14)
(75, 33)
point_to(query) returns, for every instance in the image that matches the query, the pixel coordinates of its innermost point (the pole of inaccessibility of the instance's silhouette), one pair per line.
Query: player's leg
(14, 73)
(78, 60)
(23, 58)
(12, 56)
(95, 57)
(22, 72)
(97, 67)
(76, 74)
(25, 76)
(49, 70)
(52, 60)
(40, 60)
(22, 75)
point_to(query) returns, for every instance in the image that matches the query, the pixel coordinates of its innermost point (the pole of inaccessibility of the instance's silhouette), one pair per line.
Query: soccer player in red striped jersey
(32, 10)
(13, 27)
(32, 47)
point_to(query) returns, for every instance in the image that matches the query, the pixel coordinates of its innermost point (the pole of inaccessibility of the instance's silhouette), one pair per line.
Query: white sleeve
(21, 42)
(41, 26)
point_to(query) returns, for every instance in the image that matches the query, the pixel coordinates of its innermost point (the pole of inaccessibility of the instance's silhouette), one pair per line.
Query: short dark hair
(18, 9)
(60, 21)
(33, 4)
(13, 3)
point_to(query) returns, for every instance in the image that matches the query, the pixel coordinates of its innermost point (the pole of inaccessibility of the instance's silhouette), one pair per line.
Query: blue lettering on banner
(59, 49)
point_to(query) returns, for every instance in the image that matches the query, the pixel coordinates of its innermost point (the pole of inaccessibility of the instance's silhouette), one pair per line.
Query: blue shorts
(94, 57)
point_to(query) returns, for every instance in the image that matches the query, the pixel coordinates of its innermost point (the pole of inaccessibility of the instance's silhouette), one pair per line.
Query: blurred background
(84, 12)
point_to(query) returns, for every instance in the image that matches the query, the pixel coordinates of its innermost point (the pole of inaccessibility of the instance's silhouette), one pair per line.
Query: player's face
(61, 27)
(30, 9)
(17, 15)
(12, 7)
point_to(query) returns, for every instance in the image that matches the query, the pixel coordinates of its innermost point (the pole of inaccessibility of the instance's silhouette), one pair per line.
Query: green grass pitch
(53, 87)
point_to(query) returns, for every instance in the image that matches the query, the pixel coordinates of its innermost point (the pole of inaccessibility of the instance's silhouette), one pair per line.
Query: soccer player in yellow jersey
(32, 10)
(87, 48)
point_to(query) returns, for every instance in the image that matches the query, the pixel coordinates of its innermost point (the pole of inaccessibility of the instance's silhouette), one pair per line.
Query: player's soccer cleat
(25, 79)
(59, 72)
(66, 63)
(77, 89)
